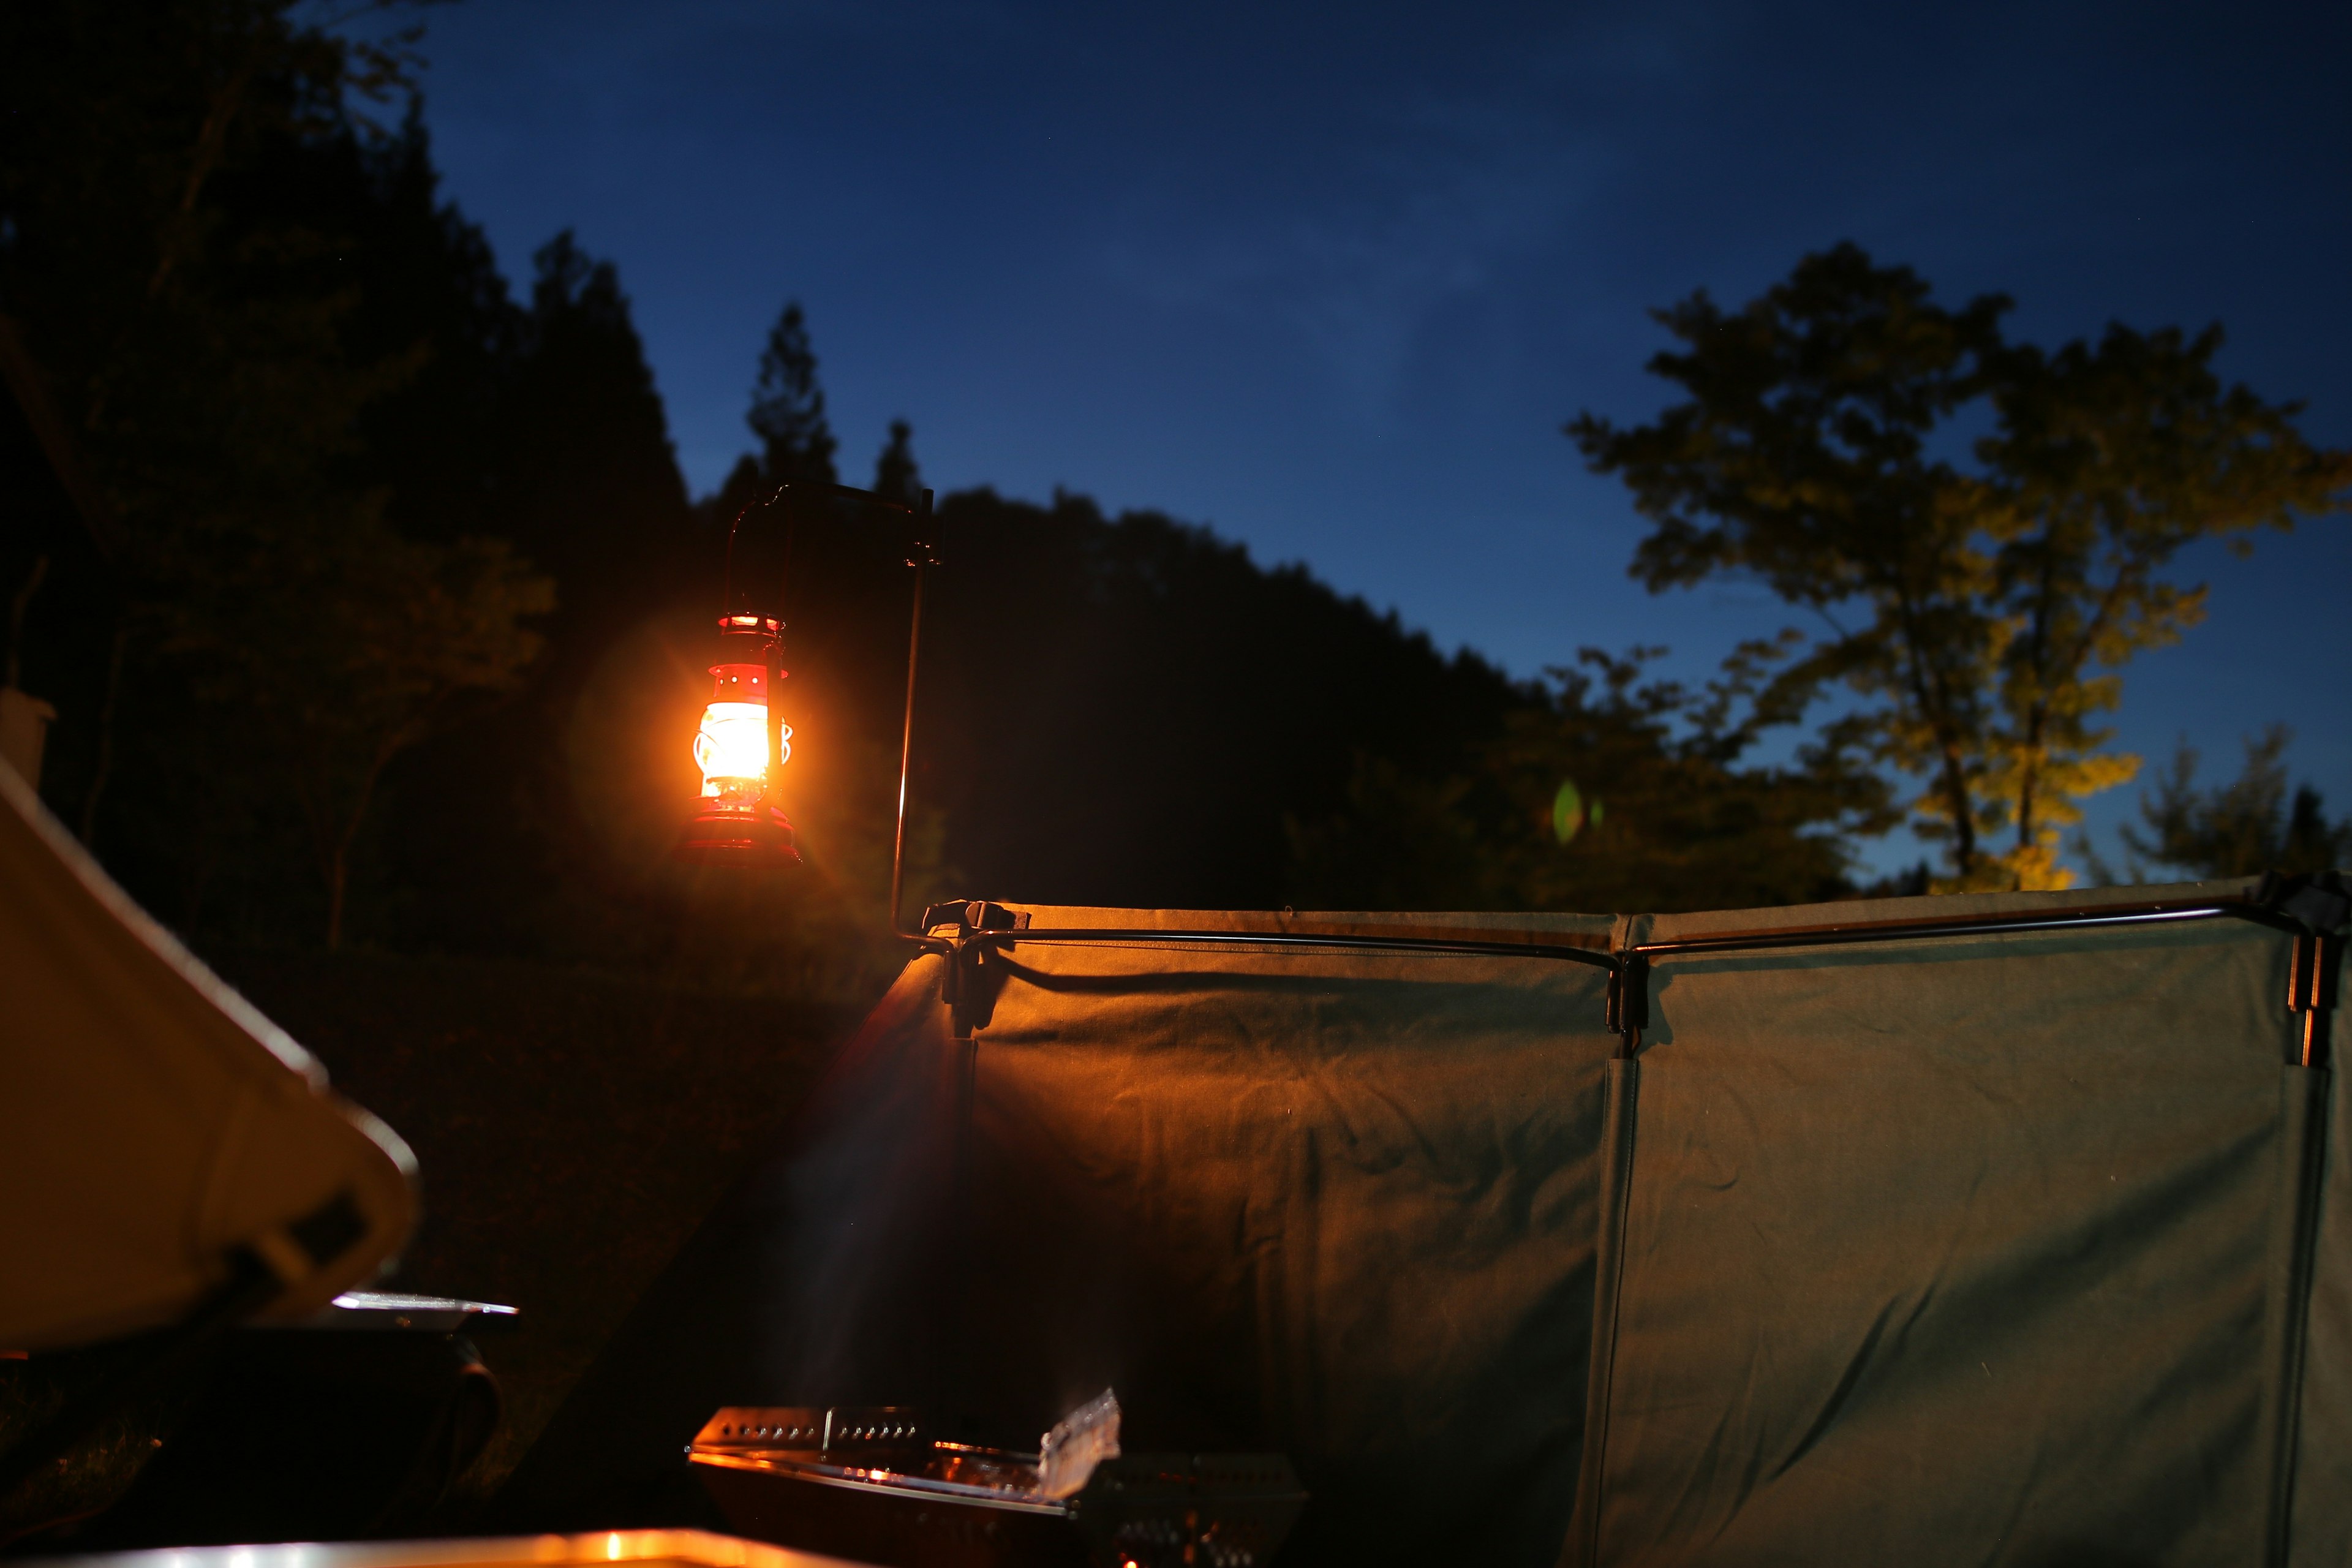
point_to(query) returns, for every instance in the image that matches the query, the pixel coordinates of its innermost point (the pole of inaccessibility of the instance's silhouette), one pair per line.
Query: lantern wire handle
(727, 572)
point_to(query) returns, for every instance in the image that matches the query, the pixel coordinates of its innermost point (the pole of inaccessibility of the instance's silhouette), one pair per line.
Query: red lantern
(743, 742)
(741, 748)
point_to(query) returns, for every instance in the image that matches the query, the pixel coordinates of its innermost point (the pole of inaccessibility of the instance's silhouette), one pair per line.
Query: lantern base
(760, 839)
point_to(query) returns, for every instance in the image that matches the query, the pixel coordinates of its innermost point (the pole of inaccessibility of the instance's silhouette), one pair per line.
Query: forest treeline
(373, 606)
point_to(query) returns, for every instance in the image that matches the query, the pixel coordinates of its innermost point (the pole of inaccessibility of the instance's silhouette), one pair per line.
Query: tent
(2027, 1239)
(165, 1150)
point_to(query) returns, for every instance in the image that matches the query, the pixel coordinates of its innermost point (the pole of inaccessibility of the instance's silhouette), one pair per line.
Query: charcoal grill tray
(873, 1484)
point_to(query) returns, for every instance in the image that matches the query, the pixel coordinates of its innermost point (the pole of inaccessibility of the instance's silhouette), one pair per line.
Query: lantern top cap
(751, 625)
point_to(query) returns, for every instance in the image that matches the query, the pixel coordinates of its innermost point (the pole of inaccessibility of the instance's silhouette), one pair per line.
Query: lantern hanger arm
(913, 506)
(918, 507)
(922, 546)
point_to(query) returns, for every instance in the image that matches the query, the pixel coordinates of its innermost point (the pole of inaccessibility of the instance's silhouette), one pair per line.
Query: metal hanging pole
(921, 557)
(906, 751)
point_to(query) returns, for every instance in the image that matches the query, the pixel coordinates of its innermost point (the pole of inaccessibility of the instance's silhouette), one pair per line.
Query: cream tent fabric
(151, 1121)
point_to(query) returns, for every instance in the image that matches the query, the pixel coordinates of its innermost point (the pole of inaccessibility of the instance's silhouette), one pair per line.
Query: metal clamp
(2313, 978)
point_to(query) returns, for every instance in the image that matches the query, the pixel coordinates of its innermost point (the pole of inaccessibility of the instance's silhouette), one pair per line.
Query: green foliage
(1979, 611)
(2241, 828)
(1668, 817)
(1687, 825)
(281, 642)
(1396, 842)
(342, 648)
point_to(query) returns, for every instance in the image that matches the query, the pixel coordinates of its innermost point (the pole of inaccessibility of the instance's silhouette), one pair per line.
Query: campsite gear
(1070, 1450)
(632, 1547)
(1984, 1227)
(177, 1174)
(743, 742)
(175, 1164)
(360, 1419)
(874, 1483)
(356, 1427)
(380, 1312)
(168, 1152)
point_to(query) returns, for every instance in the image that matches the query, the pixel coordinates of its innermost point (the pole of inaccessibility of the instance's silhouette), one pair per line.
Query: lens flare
(1573, 811)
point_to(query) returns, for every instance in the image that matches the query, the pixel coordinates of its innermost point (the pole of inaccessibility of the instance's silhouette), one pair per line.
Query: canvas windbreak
(1964, 1250)
(2026, 1246)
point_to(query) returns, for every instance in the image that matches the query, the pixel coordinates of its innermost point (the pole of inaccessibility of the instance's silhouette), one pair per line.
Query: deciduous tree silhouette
(341, 651)
(1688, 823)
(1981, 611)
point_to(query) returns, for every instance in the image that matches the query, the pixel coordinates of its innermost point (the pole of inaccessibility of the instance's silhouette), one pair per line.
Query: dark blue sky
(1330, 277)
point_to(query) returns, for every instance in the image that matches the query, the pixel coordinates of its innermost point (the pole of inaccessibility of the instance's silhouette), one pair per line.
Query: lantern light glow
(732, 746)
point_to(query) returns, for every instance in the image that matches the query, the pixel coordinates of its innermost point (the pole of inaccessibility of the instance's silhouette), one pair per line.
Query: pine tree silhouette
(788, 406)
(895, 472)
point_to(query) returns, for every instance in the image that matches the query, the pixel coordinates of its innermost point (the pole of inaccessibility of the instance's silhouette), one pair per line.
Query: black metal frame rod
(1598, 958)
(1628, 969)
(2161, 912)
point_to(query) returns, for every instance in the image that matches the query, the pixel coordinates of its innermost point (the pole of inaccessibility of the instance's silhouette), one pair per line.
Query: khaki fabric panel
(1336, 1204)
(2321, 1532)
(1952, 1251)
(1339, 1205)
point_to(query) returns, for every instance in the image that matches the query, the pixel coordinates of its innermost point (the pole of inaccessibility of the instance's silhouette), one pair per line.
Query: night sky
(1330, 278)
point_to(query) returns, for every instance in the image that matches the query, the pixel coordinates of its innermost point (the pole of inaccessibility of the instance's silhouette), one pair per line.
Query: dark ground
(572, 1128)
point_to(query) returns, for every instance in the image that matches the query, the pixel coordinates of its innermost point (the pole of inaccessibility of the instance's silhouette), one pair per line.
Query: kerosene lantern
(741, 748)
(743, 742)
